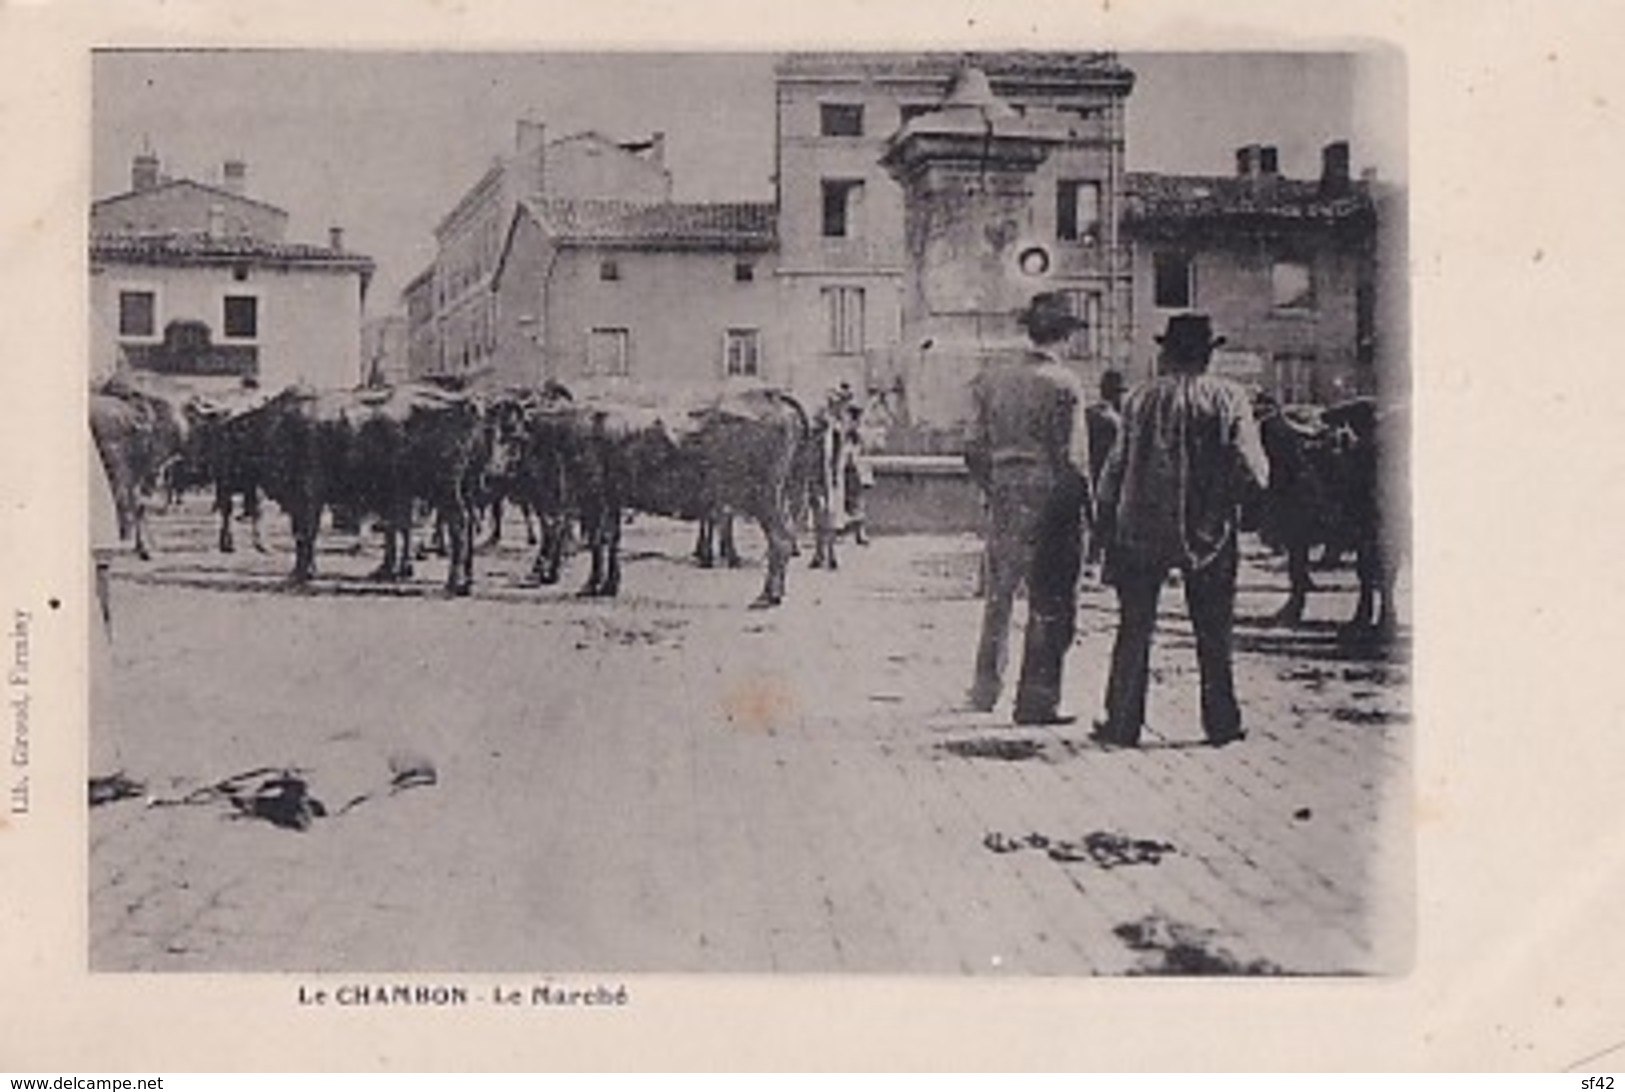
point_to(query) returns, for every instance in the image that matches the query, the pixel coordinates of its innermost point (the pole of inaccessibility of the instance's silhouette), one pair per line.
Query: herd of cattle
(384, 452)
(756, 453)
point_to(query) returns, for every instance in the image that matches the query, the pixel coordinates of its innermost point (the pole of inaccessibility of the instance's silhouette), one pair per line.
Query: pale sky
(385, 143)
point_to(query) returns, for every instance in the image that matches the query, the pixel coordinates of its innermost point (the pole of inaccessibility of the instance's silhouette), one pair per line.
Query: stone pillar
(966, 170)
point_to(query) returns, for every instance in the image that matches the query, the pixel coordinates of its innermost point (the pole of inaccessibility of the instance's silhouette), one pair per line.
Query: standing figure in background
(1170, 498)
(1028, 449)
(1105, 419)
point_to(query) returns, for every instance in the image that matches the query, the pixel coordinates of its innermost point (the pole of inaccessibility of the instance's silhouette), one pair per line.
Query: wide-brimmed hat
(1189, 336)
(1049, 313)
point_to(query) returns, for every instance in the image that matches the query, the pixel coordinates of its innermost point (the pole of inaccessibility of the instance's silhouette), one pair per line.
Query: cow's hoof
(735, 563)
(817, 563)
(460, 591)
(227, 548)
(763, 602)
(382, 575)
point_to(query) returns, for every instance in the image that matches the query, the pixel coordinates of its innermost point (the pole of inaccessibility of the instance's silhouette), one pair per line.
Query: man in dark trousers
(1105, 420)
(1170, 497)
(1028, 449)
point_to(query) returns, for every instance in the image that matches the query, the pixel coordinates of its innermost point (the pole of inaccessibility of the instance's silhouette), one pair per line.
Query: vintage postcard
(599, 539)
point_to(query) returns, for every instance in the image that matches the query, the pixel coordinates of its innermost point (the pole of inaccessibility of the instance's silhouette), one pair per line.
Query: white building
(197, 281)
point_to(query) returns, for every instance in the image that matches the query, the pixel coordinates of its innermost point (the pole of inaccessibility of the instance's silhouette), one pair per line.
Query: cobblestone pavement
(670, 782)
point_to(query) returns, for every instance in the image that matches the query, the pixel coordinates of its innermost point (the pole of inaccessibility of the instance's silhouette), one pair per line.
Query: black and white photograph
(843, 512)
(870, 535)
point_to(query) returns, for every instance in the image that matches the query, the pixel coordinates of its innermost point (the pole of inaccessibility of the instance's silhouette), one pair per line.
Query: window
(1085, 304)
(744, 272)
(1294, 377)
(843, 312)
(840, 119)
(608, 351)
(242, 318)
(1291, 286)
(609, 270)
(842, 200)
(742, 353)
(138, 313)
(1077, 210)
(1173, 275)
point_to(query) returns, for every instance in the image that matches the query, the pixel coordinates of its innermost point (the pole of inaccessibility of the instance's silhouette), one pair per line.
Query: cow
(139, 431)
(374, 451)
(736, 453)
(1336, 481)
(224, 451)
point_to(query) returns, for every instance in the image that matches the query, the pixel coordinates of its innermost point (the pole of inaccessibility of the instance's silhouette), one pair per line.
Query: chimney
(1269, 161)
(235, 173)
(530, 157)
(1334, 168)
(657, 148)
(1247, 161)
(217, 221)
(335, 238)
(143, 172)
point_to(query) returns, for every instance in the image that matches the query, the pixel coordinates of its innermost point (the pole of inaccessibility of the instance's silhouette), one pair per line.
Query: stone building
(841, 218)
(667, 294)
(1287, 268)
(469, 238)
(384, 357)
(198, 281)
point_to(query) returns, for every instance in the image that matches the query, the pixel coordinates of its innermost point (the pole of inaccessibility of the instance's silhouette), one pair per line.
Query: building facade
(197, 281)
(604, 294)
(1287, 268)
(463, 324)
(841, 217)
(384, 357)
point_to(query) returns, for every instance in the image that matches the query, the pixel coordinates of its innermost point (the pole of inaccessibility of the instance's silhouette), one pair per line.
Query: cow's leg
(493, 538)
(1387, 617)
(1368, 564)
(388, 568)
(223, 507)
(705, 540)
(776, 529)
(531, 537)
(611, 585)
(549, 554)
(458, 541)
(305, 517)
(593, 526)
(141, 550)
(1297, 565)
(251, 508)
(730, 553)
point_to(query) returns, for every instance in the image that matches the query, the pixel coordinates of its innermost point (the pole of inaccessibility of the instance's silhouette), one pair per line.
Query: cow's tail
(806, 486)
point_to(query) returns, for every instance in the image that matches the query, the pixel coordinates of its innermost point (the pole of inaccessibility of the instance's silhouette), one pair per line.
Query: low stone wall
(923, 493)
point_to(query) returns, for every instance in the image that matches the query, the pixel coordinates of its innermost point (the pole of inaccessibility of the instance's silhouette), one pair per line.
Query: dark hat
(1048, 316)
(1189, 336)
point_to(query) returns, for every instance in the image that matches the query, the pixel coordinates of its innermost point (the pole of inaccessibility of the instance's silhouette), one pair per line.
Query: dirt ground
(366, 777)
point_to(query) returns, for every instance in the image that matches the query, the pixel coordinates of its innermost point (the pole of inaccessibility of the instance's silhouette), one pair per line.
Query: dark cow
(224, 451)
(1337, 481)
(374, 451)
(139, 432)
(737, 453)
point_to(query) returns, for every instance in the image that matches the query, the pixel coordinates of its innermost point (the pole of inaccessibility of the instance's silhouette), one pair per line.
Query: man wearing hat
(1028, 449)
(1170, 497)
